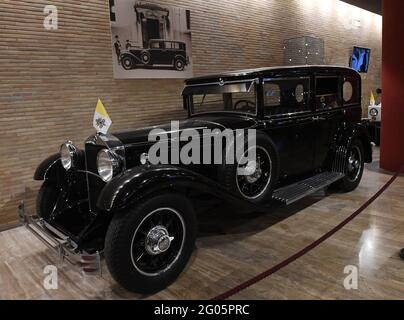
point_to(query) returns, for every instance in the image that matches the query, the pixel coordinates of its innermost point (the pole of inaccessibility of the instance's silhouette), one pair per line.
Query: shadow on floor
(222, 219)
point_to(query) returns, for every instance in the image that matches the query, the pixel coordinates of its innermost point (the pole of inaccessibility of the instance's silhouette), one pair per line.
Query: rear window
(155, 45)
(327, 93)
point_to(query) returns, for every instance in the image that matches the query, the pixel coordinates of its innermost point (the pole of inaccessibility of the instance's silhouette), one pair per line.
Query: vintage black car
(108, 199)
(160, 53)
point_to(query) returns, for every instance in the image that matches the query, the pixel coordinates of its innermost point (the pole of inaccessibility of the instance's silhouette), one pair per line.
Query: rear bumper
(60, 244)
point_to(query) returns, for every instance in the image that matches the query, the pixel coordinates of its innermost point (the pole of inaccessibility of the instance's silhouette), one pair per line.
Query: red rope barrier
(310, 247)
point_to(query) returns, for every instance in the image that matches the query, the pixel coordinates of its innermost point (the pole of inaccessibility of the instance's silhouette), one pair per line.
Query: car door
(328, 114)
(288, 119)
(161, 53)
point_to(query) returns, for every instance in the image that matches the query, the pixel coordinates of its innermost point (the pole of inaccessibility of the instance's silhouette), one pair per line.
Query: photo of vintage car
(160, 53)
(108, 200)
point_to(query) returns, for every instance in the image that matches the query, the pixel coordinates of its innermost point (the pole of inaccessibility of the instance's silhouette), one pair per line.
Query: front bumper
(60, 244)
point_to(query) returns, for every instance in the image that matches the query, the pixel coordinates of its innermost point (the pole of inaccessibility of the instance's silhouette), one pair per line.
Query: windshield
(235, 97)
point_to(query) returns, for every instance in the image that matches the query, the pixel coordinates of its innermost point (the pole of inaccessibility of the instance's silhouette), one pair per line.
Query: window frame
(340, 99)
(309, 110)
(188, 97)
(356, 90)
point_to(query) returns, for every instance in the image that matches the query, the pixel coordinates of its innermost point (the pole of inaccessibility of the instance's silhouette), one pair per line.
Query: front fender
(131, 55)
(139, 182)
(50, 167)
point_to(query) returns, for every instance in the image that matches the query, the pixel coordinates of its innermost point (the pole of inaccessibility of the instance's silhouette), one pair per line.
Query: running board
(301, 189)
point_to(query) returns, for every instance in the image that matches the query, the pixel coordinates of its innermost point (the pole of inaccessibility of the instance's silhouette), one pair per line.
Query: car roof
(287, 71)
(164, 40)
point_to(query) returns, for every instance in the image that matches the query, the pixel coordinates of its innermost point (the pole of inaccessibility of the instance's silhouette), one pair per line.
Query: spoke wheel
(354, 167)
(255, 182)
(127, 63)
(158, 241)
(148, 245)
(355, 163)
(179, 65)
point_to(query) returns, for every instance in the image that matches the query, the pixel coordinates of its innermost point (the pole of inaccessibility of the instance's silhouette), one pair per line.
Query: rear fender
(180, 57)
(356, 131)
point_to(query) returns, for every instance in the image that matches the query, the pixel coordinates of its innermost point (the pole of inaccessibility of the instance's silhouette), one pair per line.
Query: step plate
(301, 189)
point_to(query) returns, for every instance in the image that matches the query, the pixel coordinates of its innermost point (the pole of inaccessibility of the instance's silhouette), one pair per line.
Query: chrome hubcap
(257, 175)
(254, 171)
(354, 163)
(158, 240)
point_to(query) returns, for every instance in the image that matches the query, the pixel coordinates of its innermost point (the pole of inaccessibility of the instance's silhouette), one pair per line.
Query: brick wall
(50, 80)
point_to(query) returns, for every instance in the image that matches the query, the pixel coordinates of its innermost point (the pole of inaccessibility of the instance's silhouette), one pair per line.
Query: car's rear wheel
(148, 247)
(258, 178)
(128, 63)
(179, 64)
(355, 164)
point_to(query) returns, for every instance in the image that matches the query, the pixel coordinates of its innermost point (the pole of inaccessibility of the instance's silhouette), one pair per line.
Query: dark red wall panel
(392, 139)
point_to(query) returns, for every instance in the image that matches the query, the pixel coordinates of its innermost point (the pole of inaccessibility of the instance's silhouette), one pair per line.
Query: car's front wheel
(128, 63)
(148, 247)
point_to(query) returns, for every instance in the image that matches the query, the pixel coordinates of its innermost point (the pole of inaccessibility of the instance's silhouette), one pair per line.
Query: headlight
(144, 158)
(374, 112)
(108, 164)
(68, 155)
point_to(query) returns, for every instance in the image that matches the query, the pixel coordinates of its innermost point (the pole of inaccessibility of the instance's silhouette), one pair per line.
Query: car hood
(199, 123)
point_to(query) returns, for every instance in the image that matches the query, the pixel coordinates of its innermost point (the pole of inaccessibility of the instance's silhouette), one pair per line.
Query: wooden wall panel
(50, 80)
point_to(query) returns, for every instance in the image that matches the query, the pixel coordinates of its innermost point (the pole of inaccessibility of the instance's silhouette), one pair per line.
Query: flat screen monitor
(360, 59)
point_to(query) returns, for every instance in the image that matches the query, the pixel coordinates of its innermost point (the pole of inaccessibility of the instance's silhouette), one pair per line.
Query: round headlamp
(68, 155)
(144, 158)
(374, 112)
(108, 164)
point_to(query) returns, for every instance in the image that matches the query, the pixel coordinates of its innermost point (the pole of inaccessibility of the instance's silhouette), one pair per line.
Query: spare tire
(145, 57)
(46, 199)
(259, 184)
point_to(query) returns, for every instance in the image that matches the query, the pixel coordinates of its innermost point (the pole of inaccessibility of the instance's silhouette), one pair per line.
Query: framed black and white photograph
(150, 40)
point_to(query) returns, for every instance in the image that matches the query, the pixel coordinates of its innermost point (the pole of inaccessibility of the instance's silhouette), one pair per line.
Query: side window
(327, 93)
(272, 95)
(286, 96)
(350, 91)
(155, 45)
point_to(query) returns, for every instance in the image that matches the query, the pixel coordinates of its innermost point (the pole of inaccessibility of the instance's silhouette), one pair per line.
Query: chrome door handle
(318, 119)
